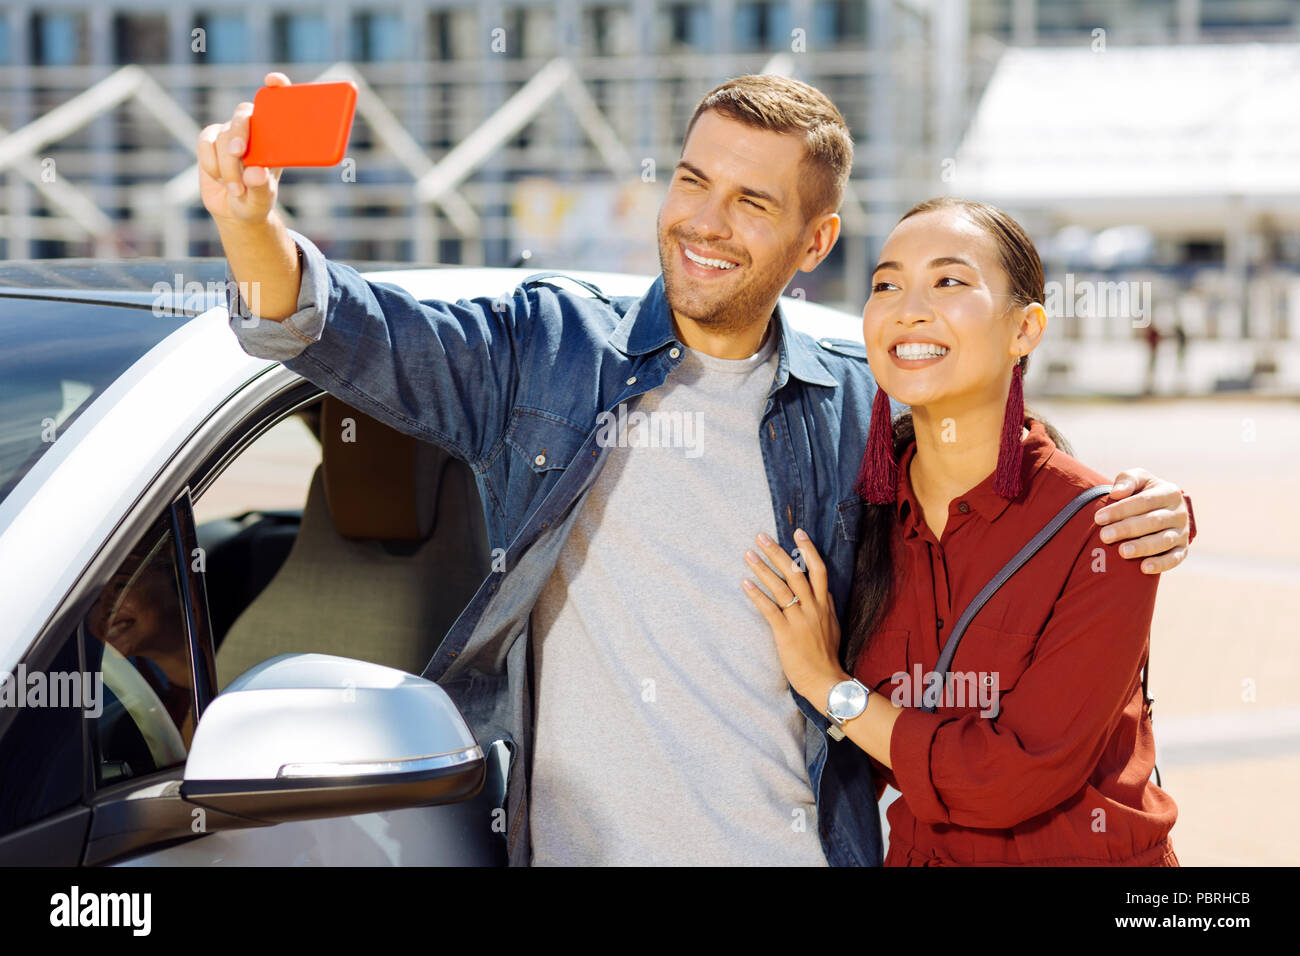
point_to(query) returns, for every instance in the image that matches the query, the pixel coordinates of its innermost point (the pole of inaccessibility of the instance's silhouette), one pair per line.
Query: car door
(457, 834)
(96, 780)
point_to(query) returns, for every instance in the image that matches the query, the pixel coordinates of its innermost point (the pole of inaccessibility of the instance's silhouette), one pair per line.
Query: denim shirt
(514, 387)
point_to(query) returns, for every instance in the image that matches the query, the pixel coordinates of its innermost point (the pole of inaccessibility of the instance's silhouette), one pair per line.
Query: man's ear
(822, 233)
(1031, 323)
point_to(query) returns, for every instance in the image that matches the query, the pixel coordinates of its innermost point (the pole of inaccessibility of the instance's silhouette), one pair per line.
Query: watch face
(847, 700)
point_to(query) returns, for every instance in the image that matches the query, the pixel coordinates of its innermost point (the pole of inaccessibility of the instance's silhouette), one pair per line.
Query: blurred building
(1014, 101)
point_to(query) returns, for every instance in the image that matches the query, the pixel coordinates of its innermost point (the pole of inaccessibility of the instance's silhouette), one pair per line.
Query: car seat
(391, 548)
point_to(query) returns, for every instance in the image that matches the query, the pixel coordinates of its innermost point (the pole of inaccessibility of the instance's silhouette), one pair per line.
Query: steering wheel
(164, 741)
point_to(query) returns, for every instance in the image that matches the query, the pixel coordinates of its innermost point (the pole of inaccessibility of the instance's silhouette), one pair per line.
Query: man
(647, 714)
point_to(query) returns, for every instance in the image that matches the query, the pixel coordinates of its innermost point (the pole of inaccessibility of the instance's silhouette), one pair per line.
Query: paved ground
(1225, 666)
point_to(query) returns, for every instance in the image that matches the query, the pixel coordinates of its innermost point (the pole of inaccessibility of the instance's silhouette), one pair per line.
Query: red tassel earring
(878, 476)
(1007, 482)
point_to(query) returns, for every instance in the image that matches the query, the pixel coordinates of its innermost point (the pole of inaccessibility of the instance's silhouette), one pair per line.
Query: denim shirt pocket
(545, 441)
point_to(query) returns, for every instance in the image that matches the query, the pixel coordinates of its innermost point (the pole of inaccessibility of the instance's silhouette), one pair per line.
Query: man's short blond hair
(784, 105)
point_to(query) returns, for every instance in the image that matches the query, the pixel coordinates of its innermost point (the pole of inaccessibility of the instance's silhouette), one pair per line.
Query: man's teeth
(919, 350)
(711, 263)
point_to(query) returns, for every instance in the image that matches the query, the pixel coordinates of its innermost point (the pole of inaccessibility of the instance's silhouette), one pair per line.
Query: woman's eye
(882, 286)
(941, 282)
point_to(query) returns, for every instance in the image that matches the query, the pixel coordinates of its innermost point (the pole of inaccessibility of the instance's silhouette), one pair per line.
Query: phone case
(303, 124)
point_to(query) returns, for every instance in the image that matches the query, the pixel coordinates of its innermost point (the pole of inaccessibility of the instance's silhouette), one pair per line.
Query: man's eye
(752, 203)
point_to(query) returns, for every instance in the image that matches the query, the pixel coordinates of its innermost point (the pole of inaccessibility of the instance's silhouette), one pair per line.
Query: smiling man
(646, 709)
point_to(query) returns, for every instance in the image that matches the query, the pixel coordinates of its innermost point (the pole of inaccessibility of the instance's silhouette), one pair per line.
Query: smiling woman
(1047, 759)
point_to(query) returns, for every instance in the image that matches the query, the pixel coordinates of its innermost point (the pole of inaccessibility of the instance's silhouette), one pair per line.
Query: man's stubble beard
(746, 307)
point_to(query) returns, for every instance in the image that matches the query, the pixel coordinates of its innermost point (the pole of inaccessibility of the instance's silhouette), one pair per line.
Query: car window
(271, 474)
(41, 750)
(247, 519)
(137, 641)
(56, 358)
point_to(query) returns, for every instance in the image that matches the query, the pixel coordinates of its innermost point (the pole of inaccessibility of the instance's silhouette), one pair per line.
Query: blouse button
(964, 508)
(941, 622)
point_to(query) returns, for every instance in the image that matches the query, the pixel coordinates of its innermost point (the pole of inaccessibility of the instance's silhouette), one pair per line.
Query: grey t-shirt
(665, 730)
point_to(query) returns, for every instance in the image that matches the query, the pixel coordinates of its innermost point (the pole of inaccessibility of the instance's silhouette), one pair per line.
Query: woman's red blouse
(1042, 751)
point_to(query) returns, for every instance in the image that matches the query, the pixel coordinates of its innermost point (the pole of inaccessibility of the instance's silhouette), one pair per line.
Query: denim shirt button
(632, 380)
(674, 352)
(539, 460)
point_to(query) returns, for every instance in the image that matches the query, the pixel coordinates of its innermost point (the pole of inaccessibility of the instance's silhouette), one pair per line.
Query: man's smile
(698, 262)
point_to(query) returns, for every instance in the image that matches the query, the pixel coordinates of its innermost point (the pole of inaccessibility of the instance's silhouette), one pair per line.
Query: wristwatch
(847, 699)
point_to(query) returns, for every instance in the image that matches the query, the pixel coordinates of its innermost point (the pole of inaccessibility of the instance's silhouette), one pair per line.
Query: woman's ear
(1031, 323)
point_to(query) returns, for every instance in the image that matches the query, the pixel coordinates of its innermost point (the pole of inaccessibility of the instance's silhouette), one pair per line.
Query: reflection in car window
(136, 637)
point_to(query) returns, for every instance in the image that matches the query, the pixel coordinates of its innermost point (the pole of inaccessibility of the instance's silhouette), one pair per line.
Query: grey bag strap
(940, 673)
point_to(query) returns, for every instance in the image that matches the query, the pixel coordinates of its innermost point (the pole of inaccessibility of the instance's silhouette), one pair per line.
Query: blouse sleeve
(1052, 727)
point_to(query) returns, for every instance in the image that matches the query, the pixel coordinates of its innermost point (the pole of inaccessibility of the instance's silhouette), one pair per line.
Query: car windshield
(56, 358)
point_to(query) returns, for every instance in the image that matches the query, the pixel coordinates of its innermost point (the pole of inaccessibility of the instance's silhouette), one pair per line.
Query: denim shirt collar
(647, 326)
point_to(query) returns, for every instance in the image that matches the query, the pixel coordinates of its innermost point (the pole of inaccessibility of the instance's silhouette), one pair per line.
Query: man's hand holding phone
(231, 191)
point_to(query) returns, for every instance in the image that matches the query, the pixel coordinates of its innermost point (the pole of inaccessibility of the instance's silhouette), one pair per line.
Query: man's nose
(709, 218)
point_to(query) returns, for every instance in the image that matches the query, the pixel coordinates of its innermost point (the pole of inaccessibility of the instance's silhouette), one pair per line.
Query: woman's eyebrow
(934, 263)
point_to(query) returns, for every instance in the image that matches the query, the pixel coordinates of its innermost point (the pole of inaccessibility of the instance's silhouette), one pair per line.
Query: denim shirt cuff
(286, 338)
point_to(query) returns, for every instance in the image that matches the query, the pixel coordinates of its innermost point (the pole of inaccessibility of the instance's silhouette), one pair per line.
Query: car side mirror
(305, 736)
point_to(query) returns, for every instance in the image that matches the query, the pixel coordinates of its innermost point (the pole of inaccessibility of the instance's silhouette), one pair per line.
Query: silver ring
(793, 601)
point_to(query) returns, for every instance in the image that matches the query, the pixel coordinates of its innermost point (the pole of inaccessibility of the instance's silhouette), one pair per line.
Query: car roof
(196, 284)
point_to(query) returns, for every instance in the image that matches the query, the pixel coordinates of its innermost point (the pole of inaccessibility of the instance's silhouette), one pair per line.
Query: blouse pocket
(991, 662)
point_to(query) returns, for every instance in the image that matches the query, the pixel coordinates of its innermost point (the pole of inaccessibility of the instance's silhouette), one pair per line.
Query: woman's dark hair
(873, 571)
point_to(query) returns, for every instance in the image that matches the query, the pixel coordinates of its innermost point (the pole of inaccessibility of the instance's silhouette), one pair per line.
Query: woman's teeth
(919, 350)
(711, 263)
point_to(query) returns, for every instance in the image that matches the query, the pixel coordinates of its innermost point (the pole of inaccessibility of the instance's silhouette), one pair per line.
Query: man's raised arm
(445, 372)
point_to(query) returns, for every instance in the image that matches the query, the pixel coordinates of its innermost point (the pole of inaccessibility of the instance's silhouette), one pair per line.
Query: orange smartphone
(303, 124)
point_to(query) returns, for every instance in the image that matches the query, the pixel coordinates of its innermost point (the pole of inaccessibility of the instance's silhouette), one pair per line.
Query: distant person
(1152, 337)
(647, 714)
(1052, 765)
(1180, 338)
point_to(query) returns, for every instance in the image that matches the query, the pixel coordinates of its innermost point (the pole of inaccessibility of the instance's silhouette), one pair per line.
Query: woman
(1040, 748)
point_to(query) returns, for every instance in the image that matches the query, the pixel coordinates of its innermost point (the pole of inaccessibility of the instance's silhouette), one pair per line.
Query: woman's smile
(912, 352)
